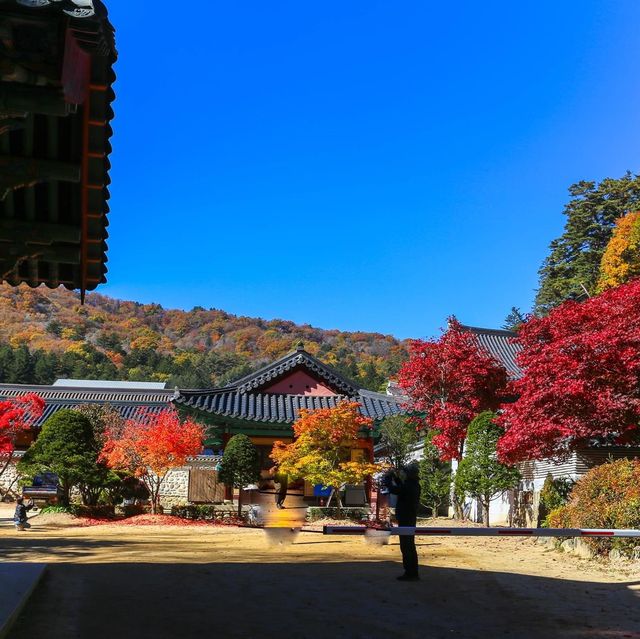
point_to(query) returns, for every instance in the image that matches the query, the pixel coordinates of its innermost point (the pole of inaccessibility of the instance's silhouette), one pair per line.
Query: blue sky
(360, 165)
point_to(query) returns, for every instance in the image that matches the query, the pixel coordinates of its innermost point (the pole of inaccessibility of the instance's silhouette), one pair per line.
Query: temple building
(262, 405)
(56, 76)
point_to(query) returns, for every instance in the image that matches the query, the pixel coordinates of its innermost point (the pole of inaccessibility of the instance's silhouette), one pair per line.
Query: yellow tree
(621, 259)
(321, 450)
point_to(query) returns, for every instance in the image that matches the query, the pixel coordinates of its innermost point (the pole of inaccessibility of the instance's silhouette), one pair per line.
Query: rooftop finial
(300, 345)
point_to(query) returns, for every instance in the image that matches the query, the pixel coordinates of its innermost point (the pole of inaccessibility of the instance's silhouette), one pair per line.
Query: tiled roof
(501, 345)
(279, 408)
(296, 359)
(245, 398)
(394, 390)
(127, 402)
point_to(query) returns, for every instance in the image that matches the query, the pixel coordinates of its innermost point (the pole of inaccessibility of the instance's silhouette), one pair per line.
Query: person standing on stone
(407, 487)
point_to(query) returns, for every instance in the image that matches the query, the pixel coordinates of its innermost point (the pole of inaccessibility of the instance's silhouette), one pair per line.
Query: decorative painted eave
(72, 8)
(67, 107)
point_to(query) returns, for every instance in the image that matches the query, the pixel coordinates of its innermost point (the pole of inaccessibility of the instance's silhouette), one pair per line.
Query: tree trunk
(240, 502)
(458, 507)
(153, 487)
(154, 493)
(66, 490)
(485, 512)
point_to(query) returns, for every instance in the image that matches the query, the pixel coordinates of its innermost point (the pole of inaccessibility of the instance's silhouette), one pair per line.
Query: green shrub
(131, 510)
(349, 513)
(55, 510)
(554, 494)
(206, 512)
(79, 510)
(103, 511)
(608, 496)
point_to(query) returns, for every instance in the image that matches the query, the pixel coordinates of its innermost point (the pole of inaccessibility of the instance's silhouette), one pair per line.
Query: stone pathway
(17, 582)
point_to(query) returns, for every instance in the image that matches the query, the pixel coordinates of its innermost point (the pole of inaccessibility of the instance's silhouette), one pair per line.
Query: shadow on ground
(313, 600)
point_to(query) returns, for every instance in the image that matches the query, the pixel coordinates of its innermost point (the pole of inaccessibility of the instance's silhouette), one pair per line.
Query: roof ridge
(488, 331)
(301, 356)
(93, 389)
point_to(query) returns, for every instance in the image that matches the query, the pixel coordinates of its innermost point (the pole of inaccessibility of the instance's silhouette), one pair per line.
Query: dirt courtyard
(183, 582)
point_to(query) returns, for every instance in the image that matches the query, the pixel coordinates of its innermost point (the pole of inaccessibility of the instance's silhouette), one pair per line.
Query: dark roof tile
(284, 409)
(501, 345)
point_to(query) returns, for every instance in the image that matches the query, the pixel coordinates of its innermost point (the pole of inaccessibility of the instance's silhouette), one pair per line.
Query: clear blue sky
(360, 165)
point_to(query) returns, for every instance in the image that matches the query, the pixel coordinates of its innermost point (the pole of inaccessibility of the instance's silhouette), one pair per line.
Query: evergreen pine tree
(479, 473)
(573, 264)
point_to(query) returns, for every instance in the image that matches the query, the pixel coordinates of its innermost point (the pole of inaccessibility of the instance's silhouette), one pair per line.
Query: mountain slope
(45, 334)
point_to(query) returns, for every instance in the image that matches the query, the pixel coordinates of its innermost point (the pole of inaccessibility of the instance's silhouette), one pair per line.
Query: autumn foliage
(450, 380)
(321, 450)
(151, 445)
(621, 259)
(608, 496)
(15, 416)
(581, 378)
(46, 334)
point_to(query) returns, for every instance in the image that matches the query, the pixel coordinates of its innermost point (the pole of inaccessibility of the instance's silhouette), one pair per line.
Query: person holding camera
(407, 487)
(20, 518)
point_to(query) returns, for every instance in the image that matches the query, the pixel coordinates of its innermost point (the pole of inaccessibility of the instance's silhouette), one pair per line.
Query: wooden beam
(15, 98)
(60, 254)
(18, 172)
(12, 230)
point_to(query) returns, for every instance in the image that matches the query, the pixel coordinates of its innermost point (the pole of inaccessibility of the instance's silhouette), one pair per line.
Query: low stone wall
(175, 487)
(8, 479)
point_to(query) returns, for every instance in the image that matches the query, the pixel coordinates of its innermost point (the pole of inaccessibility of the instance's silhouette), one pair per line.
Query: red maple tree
(451, 380)
(581, 378)
(150, 446)
(16, 416)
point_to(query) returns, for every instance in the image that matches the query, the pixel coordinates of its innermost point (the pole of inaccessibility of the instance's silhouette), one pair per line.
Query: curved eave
(63, 242)
(281, 409)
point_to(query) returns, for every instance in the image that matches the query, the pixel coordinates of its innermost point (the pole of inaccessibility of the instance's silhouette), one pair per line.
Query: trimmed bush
(103, 511)
(608, 496)
(79, 510)
(206, 512)
(351, 514)
(554, 494)
(131, 510)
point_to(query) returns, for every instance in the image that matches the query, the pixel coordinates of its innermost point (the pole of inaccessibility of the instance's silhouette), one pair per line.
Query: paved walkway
(17, 582)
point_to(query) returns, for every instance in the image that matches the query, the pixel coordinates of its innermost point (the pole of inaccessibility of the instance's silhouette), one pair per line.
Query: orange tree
(150, 446)
(321, 450)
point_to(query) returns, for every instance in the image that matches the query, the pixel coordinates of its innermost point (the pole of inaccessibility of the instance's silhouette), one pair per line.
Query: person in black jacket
(407, 487)
(20, 516)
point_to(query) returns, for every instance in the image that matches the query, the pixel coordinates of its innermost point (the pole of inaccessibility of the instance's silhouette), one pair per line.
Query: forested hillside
(45, 334)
